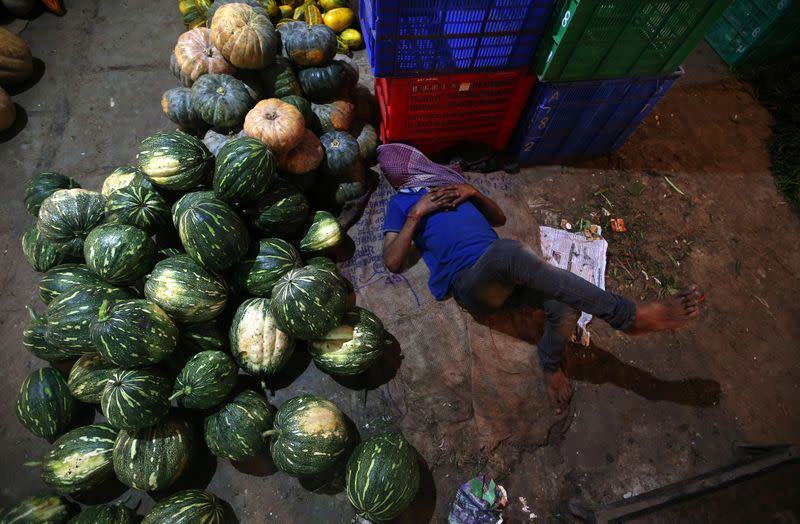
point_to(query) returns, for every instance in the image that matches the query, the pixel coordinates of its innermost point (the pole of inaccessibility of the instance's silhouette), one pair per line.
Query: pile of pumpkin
(336, 14)
(190, 267)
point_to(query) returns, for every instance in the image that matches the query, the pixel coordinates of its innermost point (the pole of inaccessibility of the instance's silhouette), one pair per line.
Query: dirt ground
(647, 411)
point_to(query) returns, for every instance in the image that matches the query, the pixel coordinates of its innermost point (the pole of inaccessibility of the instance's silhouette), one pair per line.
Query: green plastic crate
(756, 31)
(596, 39)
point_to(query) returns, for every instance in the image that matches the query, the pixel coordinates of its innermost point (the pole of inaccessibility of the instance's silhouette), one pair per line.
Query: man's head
(406, 167)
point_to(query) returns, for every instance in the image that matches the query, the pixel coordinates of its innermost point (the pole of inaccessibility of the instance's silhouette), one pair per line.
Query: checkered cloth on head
(406, 168)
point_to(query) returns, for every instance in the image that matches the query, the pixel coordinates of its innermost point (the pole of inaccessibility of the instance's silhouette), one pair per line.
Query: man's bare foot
(668, 314)
(558, 389)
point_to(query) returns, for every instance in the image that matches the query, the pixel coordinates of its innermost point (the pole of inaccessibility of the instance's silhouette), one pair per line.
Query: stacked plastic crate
(602, 67)
(755, 31)
(449, 71)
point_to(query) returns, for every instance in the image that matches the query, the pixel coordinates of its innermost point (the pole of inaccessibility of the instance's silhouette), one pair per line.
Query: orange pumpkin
(16, 64)
(277, 124)
(196, 55)
(335, 116)
(8, 113)
(245, 36)
(304, 158)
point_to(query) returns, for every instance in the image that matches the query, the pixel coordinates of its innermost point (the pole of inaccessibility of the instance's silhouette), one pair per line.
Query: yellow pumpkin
(304, 158)
(245, 37)
(352, 38)
(339, 19)
(286, 11)
(277, 124)
(195, 55)
(8, 113)
(328, 5)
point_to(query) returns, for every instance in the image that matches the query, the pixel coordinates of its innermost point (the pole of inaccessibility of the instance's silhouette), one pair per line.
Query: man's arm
(399, 251)
(453, 195)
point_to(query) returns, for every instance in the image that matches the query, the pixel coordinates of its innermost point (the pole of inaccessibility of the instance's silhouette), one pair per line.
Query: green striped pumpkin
(206, 336)
(187, 200)
(88, 378)
(174, 160)
(213, 234)
(34, 338)
(191, 506)
(352, 347)
(308, 302)
(282, 212)
(70, 315)
(67, 216)
(323, 233)
(236, 430)
(244, 170)
(280, 80)
(124, 176)
(185, 290)
(259, 272)
(134, 399)
(382, 477)
(205, 380)
(63, 277)
(308, 436)
(258, 346)
(42, 185)
(44, 404)
(80, 459)
(138, 206)
(105, 514)
(152, 459)
(38, 251)
(120, 254)
(134, 333)
(48, 509)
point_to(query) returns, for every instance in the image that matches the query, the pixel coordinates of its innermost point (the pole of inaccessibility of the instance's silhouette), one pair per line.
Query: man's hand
(452, 195)
(426, 205)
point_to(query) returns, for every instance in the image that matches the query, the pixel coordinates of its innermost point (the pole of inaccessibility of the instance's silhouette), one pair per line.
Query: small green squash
(70, 315)
(44, 404)
(205, 380)
(137, 206)
(42, 185)
(105, 514)
(282, 212)
(120, 254)
(38, 251)
(63, 277)
(67, 216)
(34, 338)
(185, 290)
(308, 45)
(152, 459)
(213, 234)
(382, 477)
(134, 399)
(259, 272)
(308, 302)
(176, 104)
(174, 160)
(124, 176)
(341, 153)
(134, 333)
(352, 347)
(244, 170)
(236, 430)
(222, 101)
(80, 459)
(258, 346)
(214, 140)
(88, 377)
(48, 509)
(194, 13)
(323, 233)
(309, 435)
(191, 506)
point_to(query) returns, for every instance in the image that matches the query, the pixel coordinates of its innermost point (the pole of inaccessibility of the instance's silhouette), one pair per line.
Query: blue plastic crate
(570, 120)
(428, 37)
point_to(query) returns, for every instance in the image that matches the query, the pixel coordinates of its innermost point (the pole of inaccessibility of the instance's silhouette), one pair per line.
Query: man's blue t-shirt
(449, 240)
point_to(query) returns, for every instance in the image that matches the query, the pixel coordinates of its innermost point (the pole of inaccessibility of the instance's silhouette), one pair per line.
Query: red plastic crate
(433, 113)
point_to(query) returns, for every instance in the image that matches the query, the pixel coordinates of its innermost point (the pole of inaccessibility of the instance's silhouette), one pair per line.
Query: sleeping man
(437, 215)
